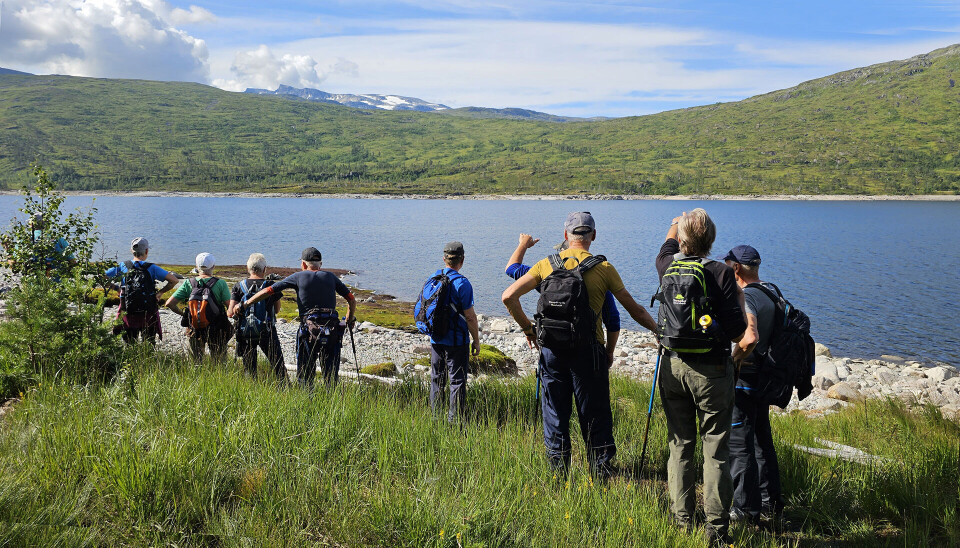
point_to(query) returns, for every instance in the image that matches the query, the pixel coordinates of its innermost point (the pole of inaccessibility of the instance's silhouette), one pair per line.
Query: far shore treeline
(885, 129)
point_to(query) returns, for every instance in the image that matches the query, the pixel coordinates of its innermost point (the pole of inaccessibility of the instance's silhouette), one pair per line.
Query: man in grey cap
(583, 370)
(753, 459)
(450, 352)
(320, 334)
(139, 310)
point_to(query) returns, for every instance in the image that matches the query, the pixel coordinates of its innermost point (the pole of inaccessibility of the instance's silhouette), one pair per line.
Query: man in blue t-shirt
(142, 318)
(609, 313)
(450, 354)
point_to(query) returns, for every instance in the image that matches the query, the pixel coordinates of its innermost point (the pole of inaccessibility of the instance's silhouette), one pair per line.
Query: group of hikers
(716, 325)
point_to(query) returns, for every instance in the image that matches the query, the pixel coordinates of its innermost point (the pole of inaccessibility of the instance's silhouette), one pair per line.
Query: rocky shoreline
(839, 382)
(358, 196)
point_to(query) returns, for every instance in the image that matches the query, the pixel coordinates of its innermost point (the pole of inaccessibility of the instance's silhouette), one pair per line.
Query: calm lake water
(875, 277)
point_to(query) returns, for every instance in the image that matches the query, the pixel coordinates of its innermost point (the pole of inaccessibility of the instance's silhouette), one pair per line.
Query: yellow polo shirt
(599, 279)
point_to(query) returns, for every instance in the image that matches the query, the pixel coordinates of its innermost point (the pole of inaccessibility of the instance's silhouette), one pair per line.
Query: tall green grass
(177, 454)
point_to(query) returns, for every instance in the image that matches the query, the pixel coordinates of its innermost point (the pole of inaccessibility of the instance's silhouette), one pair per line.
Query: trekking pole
(536, 399)
(653, 390)
(356, 361)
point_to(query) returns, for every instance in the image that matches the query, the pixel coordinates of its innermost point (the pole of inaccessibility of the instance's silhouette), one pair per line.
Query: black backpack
(683, 302)
(789, 361)
(564, 319)
(138, 294)
(434, 311)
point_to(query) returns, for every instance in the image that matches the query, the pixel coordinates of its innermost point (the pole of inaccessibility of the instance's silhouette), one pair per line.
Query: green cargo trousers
(697, 392)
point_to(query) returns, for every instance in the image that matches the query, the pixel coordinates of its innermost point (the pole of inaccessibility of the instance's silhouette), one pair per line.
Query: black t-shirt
(315, 289)
(236, 294)
(722, 290)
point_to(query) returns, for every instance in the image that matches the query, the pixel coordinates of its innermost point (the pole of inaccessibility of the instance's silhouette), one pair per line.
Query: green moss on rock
(492, 361)
(385, 369)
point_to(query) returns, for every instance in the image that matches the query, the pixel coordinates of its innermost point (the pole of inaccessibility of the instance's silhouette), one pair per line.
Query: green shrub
(55, 330)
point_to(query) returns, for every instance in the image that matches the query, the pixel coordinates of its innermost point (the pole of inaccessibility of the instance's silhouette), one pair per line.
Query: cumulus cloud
(262, 68)
(193, 15)
(103, 38)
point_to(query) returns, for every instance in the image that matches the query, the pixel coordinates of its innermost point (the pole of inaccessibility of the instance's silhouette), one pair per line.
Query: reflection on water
(875, 277)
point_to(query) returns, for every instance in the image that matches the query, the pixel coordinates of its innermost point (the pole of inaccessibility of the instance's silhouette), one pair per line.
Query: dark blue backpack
(435, 311)
(257, 319)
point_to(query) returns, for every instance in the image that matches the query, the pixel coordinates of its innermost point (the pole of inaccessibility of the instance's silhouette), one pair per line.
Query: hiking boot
(719, 540)
(685, 524)
(738, 516)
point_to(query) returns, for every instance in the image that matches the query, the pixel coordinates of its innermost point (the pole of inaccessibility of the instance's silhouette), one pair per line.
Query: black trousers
(452, 361)
(269, 343)
(753, 459)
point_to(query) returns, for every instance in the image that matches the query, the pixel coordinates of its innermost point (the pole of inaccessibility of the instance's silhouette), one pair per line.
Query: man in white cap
(207, 297)
(139, 310)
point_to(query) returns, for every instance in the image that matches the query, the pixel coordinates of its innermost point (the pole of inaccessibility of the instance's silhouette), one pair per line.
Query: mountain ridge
(889, 128)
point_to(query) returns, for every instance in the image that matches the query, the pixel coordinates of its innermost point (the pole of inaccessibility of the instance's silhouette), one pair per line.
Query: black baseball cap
(744, 254)
(311, 254)
(453, 249)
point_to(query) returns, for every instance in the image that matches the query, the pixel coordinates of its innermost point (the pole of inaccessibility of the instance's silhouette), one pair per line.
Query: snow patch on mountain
(368, 101)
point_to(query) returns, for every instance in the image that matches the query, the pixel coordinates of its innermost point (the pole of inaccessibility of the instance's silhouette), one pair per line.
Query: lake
(875, 277)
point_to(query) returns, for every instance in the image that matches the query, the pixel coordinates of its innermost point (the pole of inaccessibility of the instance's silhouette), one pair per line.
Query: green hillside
(889, 128)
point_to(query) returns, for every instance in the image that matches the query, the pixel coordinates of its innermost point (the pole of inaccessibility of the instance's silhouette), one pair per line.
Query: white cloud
(567, 67)
(103, 38)
(261, 68)
(193, 15)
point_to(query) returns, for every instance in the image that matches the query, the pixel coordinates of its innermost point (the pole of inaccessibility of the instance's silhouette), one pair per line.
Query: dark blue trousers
(753, 459)
(452, 361)
(583, 374)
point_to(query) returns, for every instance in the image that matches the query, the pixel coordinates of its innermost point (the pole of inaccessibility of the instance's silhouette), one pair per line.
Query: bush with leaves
(54, 330)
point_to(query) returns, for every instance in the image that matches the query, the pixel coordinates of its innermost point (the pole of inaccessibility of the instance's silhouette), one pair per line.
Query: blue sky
(580, 58)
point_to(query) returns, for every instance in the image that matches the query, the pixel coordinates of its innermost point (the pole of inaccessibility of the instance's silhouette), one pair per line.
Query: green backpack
(683, 302)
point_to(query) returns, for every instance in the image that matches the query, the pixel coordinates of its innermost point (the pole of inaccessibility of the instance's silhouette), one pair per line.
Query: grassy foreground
(176, 454)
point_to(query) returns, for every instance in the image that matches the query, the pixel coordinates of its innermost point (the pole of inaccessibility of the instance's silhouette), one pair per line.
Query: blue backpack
(257, 319)
(435, 311)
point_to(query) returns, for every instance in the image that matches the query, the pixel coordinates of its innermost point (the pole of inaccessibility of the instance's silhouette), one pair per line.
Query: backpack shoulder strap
(243, 287)
(590, 262)
(556, 261)
(129, 265)
(775, 297)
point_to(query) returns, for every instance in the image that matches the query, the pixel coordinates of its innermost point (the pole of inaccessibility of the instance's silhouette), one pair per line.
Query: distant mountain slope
(373, 101)
(888, 128)
(513, 114)
(11, 71)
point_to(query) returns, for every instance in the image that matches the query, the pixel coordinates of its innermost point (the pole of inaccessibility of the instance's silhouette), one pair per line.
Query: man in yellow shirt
(580, 370)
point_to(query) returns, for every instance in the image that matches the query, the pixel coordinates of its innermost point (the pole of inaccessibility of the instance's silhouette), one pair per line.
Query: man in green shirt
(217, 333)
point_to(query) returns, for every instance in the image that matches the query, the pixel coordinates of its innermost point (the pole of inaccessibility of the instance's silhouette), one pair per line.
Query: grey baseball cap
(453, 249)
(579, 222)
(139, 245)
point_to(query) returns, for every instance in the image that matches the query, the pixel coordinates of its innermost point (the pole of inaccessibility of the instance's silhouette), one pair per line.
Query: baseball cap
(205, 261)
(311, 254)
(139, 245)
(743, 254)
(579, 222)
(453, 249)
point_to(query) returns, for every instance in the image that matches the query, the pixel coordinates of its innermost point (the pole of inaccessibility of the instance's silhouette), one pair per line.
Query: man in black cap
(320, 331)
(581, 371)
(450, 353)
(753, 459)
